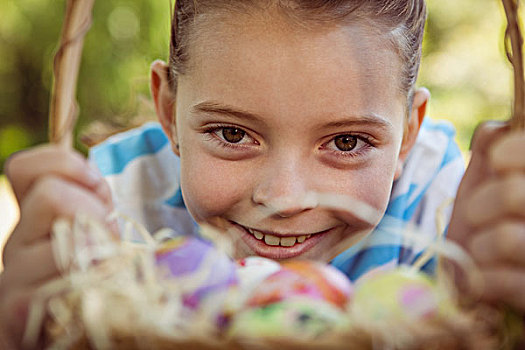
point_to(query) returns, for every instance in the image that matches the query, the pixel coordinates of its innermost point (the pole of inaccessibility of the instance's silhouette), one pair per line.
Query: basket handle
(515, 56)
(63, 107)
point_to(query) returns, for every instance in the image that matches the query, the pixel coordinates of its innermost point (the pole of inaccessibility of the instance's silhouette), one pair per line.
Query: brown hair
(402, 21)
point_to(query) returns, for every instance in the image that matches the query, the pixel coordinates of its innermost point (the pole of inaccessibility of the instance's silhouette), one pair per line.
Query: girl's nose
(283, 190)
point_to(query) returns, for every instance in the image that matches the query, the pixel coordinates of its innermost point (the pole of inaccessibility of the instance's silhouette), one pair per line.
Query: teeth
(287, 241)
(275, 241)
(258, 235)
(271, 240)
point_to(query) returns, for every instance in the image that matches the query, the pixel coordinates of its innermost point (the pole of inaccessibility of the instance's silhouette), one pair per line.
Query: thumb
(477, 172)
(478, 169)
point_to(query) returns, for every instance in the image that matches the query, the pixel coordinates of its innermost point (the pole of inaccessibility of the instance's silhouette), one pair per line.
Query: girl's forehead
(275, 34)
(287, 67)
(246, 35)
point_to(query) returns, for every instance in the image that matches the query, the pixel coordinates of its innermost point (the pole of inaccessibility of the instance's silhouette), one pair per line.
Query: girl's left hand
(489, 213)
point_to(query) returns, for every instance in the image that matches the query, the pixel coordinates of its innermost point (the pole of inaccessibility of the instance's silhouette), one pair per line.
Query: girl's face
(269, 112)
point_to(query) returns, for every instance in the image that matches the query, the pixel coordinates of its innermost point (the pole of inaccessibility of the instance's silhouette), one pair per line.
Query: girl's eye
(350, 145)
(345, 143)
(233, 135)
(230, 136)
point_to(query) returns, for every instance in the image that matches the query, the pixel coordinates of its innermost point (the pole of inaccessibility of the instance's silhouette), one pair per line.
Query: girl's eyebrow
(218, 108)
(372, 119)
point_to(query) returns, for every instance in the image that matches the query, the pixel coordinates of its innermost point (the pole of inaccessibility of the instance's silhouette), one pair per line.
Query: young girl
(266, 106)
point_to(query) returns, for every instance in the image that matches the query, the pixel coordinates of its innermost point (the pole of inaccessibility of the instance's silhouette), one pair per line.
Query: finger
(508, 153)
(24, 168)
(482, 141)
(501, 244)
(14, 310)
(477, 172)
(504, 284)
(497, 198)
(53, 197)
(31, 265)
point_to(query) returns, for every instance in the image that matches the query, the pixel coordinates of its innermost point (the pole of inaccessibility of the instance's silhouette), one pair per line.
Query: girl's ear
(419, 106)
(164, 100)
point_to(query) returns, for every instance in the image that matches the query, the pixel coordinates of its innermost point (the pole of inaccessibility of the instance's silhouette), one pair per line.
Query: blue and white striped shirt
(143, 174)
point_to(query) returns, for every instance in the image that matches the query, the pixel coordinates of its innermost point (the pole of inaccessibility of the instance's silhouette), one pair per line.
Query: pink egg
(305, 279)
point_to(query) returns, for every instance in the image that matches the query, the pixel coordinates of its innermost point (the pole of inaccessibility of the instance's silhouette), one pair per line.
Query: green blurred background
(463, 66)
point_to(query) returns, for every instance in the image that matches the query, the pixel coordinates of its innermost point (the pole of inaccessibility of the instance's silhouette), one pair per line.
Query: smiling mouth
(280, 240)
(279, 245)
(272, 240)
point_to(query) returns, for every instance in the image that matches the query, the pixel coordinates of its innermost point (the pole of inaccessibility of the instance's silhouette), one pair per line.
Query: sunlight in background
(8, 213)
(464, 65)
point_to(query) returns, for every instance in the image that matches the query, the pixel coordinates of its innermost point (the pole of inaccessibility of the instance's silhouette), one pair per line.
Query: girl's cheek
(211, 187)
(375, 184)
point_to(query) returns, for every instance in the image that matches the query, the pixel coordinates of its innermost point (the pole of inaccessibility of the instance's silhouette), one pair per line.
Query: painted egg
(303, 278)
(401, 293)
(203, 271)
(301, 318)
(252, 271)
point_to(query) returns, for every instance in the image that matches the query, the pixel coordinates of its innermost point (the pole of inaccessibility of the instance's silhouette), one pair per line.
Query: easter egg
(201, 270)
(251, 271)
(301, 318)
(306, 279)
(399, 294)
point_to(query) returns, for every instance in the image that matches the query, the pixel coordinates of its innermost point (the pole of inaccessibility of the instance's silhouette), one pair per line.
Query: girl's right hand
(48, 182)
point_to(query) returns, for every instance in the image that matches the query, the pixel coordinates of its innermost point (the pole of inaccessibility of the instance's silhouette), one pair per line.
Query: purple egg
(206, 271)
